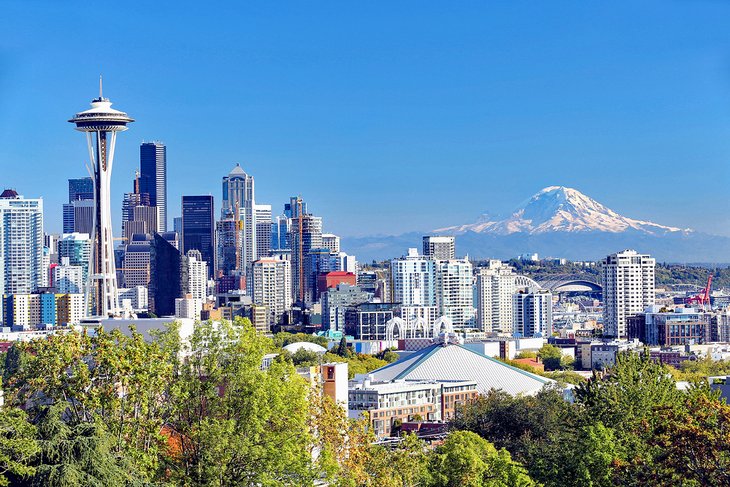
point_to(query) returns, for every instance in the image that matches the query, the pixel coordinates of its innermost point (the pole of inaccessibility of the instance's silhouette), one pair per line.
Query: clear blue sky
(386, 116)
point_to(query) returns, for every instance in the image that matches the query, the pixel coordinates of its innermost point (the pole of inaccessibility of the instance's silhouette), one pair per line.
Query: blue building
(198, 228)
(153, 178)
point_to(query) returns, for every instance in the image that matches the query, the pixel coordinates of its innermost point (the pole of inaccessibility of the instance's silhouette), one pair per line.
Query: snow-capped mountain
(561, 209)
(560, 222)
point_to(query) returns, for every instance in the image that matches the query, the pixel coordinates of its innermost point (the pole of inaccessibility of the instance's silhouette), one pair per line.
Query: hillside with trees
(115, 410)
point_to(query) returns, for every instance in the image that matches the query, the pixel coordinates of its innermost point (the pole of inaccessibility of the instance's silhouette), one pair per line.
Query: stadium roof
(456, 363)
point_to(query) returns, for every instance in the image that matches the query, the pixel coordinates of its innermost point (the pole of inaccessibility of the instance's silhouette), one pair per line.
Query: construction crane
(703, 298)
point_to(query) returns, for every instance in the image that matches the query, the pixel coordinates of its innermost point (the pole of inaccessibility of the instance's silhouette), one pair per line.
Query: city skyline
(452, 91)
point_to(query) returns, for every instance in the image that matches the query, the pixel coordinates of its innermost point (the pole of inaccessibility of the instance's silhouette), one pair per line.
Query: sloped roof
(237, 171)
(457, 363)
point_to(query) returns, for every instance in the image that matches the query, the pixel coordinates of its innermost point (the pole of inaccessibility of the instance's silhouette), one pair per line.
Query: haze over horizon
(387, 119)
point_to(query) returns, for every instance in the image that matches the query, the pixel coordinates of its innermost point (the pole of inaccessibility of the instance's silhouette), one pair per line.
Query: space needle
(101, 123)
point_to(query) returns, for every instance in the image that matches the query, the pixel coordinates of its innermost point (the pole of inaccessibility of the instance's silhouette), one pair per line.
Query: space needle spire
(101, 123)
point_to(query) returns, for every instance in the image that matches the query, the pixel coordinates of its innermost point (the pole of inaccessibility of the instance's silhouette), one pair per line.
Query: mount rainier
(559, 222)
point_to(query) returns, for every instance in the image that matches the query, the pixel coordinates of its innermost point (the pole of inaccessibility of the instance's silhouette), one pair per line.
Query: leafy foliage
(283, 339)
(629, 426)
(17, 445)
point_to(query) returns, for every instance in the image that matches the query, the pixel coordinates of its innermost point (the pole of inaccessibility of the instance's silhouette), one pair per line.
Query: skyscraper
(332, 242)
(168, 276)
(21, 243)
(136, 220)
(78, 213)
(177, 225)
(306, 234)
(495, 286)
(280, 229)
(414, 281)
(271, 287)
(439, 248)
(101, 124)
(136, 263)
(80, 189)
(198, 228)
(76, 247)
(454, 291)
(153, 179)
(532, 310)
(197, 275)
(628, 288)
(239, 200)
(262, 217)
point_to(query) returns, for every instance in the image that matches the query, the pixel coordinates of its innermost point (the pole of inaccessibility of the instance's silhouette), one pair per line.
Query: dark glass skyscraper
(168, 275)
(80, 189)
(153, 178)
(198, 228)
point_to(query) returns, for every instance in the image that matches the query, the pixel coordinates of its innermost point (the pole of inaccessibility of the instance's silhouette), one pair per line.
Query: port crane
(703, 298)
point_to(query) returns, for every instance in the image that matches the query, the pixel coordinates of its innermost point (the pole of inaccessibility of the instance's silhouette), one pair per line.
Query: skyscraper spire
(100, 91)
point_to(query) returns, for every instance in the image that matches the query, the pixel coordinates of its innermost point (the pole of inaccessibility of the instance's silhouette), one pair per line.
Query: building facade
(197, 276)
(21, 244)
(198, 228)
(628, 288)
(239, 199)
(455, 292)
(439, 247)
(262, 217)
(306, 235)
(153, 180)
(533, 313)
(495, 286)
(271, 287)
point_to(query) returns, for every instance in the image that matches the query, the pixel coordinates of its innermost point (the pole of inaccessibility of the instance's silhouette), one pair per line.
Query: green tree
(304, 358)
(342, 349)
(237, 424)
(551, 357)
(17, 445)
(693, 441)
(79, 455)
(388, 355)
(467, 460)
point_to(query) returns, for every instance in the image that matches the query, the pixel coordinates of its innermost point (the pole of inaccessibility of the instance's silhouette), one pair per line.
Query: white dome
(308, 346)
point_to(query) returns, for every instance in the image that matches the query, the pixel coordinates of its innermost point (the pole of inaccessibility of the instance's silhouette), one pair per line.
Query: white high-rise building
(414, 282)
(68, 278)
(262, 217)
(532, 312)
(21, 243)
(455, 291)
(346, 263)
(495, 287)
(271, 286)
(188, 307)
(136, 298)
(332, 242)
(46, 264)
(628, 288)
(197, 275)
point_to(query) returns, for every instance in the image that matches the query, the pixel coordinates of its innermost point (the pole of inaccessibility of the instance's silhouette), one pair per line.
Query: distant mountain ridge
(561, 222)
(561, 209)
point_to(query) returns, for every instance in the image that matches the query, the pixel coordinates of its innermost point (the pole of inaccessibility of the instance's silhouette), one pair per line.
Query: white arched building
(417, 328)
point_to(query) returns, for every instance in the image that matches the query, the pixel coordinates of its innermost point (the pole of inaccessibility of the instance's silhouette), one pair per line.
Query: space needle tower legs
(101, 124)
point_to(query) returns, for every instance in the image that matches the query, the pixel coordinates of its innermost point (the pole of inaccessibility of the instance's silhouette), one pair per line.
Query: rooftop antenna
(100, 95)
